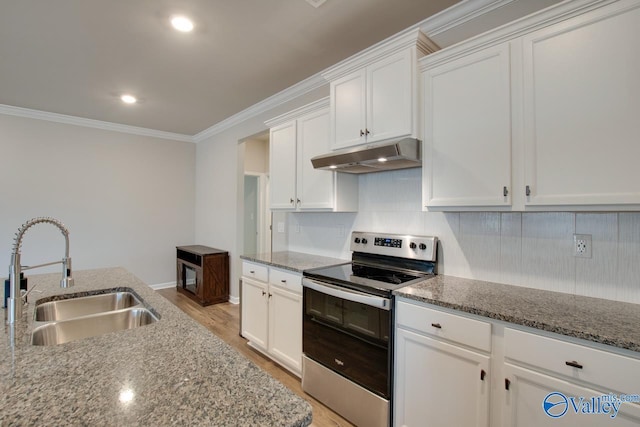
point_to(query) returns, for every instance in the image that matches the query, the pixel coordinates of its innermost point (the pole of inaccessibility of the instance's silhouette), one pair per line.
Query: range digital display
(386, 242)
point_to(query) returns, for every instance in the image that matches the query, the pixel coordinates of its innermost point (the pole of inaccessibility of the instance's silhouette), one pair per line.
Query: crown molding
(91, 123)
(292, 92)
(294, 114)
(527, 24)
(458, 14)
(402, 40)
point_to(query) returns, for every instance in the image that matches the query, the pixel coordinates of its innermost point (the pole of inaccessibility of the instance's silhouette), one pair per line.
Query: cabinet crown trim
(515, 29)
(294, 114)
(405, 39)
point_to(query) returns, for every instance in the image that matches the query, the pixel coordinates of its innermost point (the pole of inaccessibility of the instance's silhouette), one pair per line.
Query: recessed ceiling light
(316, 3)
(382, 159)
(182, 23)
(128, 99)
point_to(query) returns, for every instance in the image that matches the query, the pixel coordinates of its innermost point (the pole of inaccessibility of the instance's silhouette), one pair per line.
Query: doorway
(257, 215)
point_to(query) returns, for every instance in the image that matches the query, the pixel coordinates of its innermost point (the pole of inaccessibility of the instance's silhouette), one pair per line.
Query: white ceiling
(76, 57)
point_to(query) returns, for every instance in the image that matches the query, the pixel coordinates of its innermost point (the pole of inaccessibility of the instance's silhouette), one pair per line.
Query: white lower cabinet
(255, 312)
(550, 382)
(528, 390)
(460, 370)
(439, 382)
(285, 327)
(272, 315)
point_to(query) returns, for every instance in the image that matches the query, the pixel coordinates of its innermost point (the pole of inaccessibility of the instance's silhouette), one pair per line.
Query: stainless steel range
(348, 323)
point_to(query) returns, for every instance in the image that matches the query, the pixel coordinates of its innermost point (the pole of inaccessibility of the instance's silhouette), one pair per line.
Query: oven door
(348, 332)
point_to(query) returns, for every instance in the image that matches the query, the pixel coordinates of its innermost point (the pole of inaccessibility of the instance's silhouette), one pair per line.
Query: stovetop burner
(381, 263)
(365, 278)
(381, 275)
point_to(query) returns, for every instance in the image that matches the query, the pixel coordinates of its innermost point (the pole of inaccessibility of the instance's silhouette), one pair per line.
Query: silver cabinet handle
(346, 294)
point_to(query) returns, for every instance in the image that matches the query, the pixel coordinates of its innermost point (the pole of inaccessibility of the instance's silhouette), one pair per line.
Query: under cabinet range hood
(401, 154)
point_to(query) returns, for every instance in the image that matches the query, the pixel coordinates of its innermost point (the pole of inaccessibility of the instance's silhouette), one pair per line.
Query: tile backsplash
(532, 249)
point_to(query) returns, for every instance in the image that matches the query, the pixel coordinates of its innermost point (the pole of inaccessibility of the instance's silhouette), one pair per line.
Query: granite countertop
(294, 261)
(593, 319)
(175, 370)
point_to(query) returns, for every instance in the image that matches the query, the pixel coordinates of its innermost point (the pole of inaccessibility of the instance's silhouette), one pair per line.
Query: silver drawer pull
(339, 362)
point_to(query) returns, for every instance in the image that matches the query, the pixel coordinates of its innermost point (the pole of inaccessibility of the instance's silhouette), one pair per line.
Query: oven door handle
(347, 294)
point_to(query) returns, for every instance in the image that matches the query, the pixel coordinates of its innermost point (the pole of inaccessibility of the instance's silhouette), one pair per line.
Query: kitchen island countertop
(593, 319)
(172, 372)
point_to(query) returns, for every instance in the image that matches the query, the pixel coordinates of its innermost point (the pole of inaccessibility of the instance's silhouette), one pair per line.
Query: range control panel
(388, 242)
(398, 245)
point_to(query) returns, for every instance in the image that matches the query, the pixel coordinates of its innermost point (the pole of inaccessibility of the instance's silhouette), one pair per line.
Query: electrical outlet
(582, 245)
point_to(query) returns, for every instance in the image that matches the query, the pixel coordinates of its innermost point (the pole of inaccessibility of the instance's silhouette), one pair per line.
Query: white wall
(127, 200)
(256, 156)
(525, 249)
(219, 170)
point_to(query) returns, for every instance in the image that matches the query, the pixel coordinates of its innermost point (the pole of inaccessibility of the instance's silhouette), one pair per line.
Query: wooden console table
(203, 273)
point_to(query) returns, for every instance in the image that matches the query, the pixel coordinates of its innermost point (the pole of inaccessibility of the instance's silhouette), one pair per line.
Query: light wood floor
(224, 321)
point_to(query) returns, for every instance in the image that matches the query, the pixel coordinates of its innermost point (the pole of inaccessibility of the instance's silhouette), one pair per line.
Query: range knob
(364, 241)
(412, 245)
(423, 246)
(357, 240)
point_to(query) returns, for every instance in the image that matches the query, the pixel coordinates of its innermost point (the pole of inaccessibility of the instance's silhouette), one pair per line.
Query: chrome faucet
(16, 301)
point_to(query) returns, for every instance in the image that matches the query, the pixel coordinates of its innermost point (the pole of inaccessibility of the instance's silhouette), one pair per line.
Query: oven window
(348, 337)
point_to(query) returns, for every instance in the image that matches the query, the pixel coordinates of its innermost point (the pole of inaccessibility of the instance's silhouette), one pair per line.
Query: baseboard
(163, 285)
(234, 300)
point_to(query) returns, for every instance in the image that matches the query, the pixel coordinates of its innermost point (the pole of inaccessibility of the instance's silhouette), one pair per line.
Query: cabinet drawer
(606, 370)
(458, 329)
(255, 271)
(286, 279)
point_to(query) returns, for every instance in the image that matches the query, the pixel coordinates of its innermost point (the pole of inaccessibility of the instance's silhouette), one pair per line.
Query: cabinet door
(467, 147)
(315, 187)
(285, 327)
(348, 110)
(254, 312)
(438, 384)
(390, 97)
(282, 166)
(581, 104)
(524, 403)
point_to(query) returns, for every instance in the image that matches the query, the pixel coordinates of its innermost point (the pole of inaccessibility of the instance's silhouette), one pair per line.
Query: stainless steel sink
(83, 306)
(81, 316)
(59, 332)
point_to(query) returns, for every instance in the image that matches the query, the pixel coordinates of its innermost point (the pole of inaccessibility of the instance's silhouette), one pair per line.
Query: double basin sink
(84, 316)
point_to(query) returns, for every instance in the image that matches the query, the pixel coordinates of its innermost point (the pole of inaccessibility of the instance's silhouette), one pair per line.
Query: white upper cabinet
(295, 138)
(374, 94)
(282, 146)
(582, 109)
(537, 115)
(348, 110)
(467, 135)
